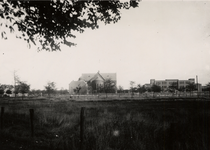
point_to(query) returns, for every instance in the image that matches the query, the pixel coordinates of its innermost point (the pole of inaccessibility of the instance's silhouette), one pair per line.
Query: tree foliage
(1, 91)
(120, 89)
(173, 86)
(62, 91)
(8, 91)
(141, 89)
(50, 88)
(182, 89)
(191, 86)
(34, 92)
(22, 88)
(208, 86)
(52, 23)
(155, 88)
(4, 88)
(132, 88)
(109, 86)
(77, 89)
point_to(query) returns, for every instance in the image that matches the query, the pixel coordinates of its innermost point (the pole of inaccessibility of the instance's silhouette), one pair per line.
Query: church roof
(91, 76)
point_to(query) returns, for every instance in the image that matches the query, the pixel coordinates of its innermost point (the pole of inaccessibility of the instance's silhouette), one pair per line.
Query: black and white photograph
(105, 75)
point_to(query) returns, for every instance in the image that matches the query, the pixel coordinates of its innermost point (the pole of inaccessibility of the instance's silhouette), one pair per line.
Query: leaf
(3, 35)
(52, 20)
(11, 29)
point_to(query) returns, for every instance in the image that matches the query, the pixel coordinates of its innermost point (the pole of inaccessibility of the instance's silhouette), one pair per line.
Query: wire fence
(142, 96)
(115, 96)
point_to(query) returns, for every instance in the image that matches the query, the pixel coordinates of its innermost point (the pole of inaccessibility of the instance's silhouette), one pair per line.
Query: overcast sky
(157, 40)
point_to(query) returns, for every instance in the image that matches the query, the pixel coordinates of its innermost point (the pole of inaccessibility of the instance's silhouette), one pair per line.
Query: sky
(158, 40)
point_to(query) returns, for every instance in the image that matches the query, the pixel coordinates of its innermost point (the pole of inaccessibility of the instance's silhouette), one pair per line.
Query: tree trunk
(209, 92)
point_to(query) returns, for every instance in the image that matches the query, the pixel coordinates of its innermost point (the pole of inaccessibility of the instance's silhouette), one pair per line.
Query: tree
(63, 91)
(173, 86)
(208, 86)
(50, 88)
(132, 88)
(120, 90)
(1, 91)
(4, 88)
(51, 23)
(100, 88)
(109, 86)
(182, 89)
(191, 87)
(16, 81)
(141, 89)
(8, 91)
(35, 92)
(155, 88)
(77, 89)
(22, 88)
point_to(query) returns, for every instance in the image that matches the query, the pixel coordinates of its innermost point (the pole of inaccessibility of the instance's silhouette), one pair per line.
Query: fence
(32, 130)
(146, 95)
(31, 111)
(119, 96)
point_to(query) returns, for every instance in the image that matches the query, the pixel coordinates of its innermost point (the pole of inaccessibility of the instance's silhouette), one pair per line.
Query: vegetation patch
(108, 125)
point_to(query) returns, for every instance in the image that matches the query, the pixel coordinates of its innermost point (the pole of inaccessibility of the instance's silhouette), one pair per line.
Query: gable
(87, 76)
(98, 76)
(112, 76)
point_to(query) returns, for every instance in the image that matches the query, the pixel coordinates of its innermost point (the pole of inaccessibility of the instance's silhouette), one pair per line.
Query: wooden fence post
(32, 121)
(82, 120)
(2, 117)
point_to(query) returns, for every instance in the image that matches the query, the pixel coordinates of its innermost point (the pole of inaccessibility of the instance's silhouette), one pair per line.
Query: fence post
(2, 117)
(82, 120)
(172, 134)
(32, 121)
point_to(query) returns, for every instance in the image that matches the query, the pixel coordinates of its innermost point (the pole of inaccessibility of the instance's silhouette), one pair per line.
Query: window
(158, 83)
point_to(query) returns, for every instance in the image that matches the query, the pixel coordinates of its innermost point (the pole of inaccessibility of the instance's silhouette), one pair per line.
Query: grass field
(109, 125)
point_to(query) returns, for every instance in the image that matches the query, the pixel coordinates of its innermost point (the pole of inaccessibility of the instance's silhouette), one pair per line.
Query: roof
(160, 80)
(171, 79)
(77, 83)
(97, 77)
(112, 76)
(88, 76)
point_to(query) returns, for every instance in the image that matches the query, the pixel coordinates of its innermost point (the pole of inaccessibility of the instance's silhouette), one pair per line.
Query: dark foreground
(110, 125)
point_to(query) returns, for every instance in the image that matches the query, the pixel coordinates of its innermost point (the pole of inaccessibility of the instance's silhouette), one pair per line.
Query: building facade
(92, 82)
(165, 84)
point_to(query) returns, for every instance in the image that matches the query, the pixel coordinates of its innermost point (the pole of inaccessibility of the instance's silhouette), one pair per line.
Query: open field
(122, 125)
